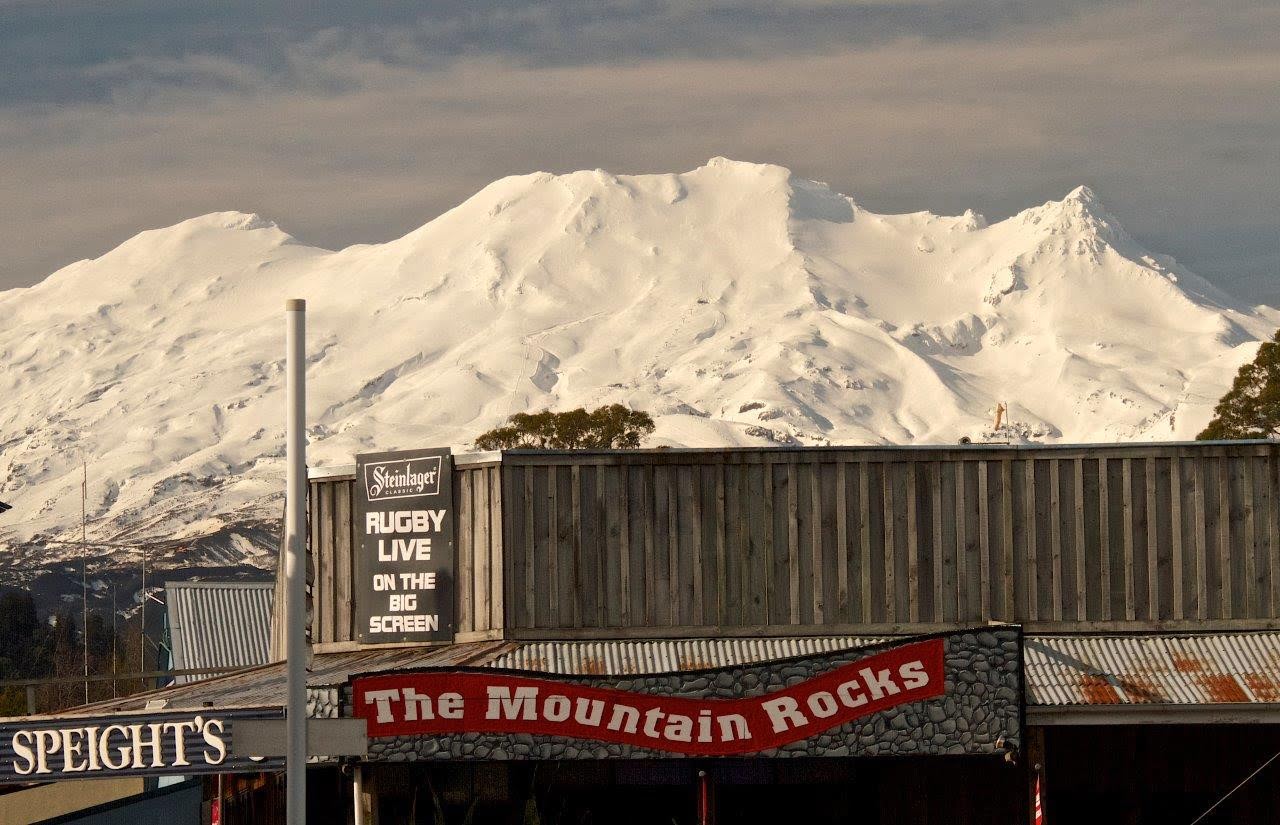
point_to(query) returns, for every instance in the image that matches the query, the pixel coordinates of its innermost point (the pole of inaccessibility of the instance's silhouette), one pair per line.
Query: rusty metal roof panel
(1200, 669)
(337, 668)
(218, 624)
(635, 656)
(1203, 669)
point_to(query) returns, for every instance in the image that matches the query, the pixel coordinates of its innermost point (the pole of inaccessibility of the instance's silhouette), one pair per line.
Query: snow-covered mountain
(738, 303)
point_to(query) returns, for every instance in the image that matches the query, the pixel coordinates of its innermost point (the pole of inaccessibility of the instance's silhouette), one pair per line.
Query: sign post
(404, 570)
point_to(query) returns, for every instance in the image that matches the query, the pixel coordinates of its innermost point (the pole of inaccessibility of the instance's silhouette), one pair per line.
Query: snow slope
(738, 303)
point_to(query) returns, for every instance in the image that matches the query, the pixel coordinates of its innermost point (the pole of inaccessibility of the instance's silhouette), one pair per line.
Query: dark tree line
(35, 649)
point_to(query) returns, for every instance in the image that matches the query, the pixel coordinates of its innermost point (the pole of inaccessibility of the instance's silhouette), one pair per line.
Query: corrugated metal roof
(1209, 669)
(1203, 669)
(1192, 671)
(630, 657)
(218, 624)
(264, 686)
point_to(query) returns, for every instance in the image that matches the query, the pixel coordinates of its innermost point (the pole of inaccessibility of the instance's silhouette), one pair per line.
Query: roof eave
(1226, 713)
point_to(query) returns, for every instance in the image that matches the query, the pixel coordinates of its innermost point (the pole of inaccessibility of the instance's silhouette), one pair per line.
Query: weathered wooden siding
(691, 542)
(478, 539)
(331, 541)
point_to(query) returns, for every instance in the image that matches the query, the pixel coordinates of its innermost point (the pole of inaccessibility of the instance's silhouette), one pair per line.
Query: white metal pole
(295, 561)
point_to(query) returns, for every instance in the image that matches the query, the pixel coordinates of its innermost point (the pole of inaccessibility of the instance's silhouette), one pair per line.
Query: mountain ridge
(739, 303)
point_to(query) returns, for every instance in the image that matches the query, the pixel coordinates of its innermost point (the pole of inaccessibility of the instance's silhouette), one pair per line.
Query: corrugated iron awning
(1205, 669)
(1202, 669)
(629, 657)
(264, 686)
(1214, 677)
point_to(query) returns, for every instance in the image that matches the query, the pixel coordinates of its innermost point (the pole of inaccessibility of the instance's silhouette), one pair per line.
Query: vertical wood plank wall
(330, 545)
(889, 539)
(844, 539)
(478, 542)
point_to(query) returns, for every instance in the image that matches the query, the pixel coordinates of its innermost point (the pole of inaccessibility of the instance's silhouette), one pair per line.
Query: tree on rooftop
(613, 427)
(1251, 408)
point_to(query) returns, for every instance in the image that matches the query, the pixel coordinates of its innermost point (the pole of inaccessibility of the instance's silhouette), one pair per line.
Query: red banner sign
(460, 702)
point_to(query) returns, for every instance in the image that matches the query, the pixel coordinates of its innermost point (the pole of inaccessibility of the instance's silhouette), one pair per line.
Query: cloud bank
(349, 123)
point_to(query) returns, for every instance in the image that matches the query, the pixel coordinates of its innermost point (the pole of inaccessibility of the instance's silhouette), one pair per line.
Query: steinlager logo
(401, 479)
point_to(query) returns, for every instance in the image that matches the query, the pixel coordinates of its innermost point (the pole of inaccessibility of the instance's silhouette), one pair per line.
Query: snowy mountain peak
(246, 221)
(1082, 204)
(1080, 214)
(212, 228)
(737, 302)
(230, 221)
(972, 221)
(746, 167)
(1082, 195)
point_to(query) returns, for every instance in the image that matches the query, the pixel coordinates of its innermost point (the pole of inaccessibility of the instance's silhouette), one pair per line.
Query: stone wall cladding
(324, 702)
(980, 712)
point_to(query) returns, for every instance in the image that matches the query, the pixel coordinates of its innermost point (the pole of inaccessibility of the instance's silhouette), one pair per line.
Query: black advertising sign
(404, 570)
(957, 693)
(150, 744)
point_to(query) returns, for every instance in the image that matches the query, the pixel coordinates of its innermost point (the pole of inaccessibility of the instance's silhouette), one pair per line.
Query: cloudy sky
(355, 122)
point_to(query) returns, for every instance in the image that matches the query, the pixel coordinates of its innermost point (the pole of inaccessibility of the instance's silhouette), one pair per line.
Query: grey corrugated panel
(1201, 669)
(635, 656)
(263, 686)
(218, 624)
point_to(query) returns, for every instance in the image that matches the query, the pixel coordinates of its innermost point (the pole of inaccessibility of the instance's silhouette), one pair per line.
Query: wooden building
(1104, 620)
(679, 543)
(1146, 577)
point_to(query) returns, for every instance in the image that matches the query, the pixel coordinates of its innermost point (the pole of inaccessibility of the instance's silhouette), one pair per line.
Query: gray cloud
(365, 125)
(50, 52)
